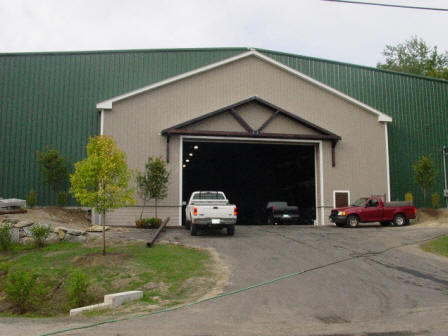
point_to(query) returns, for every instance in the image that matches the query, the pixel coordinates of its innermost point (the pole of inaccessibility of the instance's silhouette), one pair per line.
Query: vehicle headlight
(341, 213)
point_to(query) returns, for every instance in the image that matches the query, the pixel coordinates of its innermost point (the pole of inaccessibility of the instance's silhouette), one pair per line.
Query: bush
(140, 222)
(77, 288)
(31, 199)
(40, 234)
(5, 236)
(22, 291)
(61, 199)
(435, 200)
(148, 223)
(408, 197)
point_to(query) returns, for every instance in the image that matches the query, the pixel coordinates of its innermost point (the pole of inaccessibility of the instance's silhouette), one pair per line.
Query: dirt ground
(55, 216)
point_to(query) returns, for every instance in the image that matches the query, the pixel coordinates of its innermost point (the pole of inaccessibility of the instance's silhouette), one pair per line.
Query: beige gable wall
(136, 123)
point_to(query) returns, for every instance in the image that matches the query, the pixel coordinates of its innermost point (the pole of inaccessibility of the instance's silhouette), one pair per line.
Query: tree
(424, 174)
(416, 57)
(54, 167)
(101, 181)
(152, 184)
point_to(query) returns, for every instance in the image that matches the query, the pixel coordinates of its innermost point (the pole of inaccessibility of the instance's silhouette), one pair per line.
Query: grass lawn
(438, 246)
(168, 274)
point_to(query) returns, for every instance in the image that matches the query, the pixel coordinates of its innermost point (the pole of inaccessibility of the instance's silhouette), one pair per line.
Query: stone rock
(76, 239)
(53, 238)
(24, 223)
(75, 232)
(61, 233)
(11, 220)
(15, 235)
(27, 241)
(27, 230)
(22, 233)
(97, 228)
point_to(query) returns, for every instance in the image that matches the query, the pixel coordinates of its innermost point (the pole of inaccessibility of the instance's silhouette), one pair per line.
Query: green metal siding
(50, 98)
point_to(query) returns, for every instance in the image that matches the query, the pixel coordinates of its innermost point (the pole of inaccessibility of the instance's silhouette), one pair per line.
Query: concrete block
(120, 298)
(77, 311)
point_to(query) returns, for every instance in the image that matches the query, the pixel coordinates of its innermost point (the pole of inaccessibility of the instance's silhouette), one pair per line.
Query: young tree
(424, 174)
(54, 167)
(416, 57)
(152, 184)
(101, 181)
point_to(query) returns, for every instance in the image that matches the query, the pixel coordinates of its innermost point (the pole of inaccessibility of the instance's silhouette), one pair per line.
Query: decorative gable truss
(217, 124)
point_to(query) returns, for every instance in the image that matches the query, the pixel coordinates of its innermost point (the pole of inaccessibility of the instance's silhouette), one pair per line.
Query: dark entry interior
(252, 174)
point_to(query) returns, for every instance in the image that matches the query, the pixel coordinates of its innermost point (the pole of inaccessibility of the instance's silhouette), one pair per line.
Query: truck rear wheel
(399, 220)
(231, 230)
(352, 221)
(194, 229)
(187, 225)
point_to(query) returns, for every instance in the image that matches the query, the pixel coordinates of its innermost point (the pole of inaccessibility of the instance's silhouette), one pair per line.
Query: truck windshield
(208, 195)
(360, 202)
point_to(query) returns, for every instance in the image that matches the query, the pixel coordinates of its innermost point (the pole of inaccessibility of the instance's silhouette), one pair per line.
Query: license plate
(286, 215)
(216, 221)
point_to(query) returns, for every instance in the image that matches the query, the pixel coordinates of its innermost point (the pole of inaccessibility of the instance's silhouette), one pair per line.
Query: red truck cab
(373, 209)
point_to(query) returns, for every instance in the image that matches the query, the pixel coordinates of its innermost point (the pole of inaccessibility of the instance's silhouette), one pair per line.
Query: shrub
(151, 223)
(40, 234)
(31, 199)
(77, 288)
(61, 199)
(435, 200)
(139, 222)
(21, 290)
(5, 236)
(408, 197)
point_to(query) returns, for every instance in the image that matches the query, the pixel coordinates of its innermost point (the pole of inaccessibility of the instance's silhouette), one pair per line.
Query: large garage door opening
(251, 175)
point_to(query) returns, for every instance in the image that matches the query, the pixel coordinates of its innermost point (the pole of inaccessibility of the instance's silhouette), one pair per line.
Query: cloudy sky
(343, 32)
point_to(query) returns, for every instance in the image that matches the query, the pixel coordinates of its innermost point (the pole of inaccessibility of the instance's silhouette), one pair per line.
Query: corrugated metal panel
(50, 98)
(418, 106)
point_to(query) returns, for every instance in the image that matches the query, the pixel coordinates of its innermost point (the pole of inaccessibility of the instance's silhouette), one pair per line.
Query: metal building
(51, 98)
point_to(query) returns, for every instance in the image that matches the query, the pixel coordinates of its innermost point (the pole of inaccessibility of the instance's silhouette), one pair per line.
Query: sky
(343, 32)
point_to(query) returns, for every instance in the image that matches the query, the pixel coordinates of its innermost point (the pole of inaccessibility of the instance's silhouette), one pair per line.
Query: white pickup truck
(210, 209)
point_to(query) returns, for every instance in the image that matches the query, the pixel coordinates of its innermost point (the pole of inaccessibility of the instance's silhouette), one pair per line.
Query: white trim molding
(340, 191)
(387, 162)
(107, 104)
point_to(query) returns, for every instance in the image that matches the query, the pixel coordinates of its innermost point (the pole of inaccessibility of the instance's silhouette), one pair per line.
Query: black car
(281, 213)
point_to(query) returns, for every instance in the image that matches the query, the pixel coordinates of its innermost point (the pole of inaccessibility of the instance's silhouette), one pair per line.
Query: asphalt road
(371, 281)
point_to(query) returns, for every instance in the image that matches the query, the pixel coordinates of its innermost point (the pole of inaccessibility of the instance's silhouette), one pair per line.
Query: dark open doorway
(252, 174)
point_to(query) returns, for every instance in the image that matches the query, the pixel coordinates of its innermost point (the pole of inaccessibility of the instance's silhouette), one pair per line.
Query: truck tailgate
(215, 211)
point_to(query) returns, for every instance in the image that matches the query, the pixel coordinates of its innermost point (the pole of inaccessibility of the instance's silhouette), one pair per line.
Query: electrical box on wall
(445, 193)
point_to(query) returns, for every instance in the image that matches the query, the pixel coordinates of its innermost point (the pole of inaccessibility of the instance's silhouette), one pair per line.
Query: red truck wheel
(399, 220)
(352, 221)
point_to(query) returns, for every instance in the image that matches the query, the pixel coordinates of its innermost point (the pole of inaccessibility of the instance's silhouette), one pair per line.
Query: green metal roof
(49, 99)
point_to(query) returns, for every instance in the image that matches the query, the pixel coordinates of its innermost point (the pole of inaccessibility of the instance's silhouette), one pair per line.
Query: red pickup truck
(373, 209)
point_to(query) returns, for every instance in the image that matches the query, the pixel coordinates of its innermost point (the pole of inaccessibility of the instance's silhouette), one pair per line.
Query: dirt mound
(432, 217)
(92, 260)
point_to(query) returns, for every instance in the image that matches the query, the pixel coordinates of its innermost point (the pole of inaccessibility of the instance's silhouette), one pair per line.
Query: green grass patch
(164, 272)
(437, 246)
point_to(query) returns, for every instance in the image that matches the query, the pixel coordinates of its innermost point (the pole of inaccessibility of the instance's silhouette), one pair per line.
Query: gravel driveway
(371, 281)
